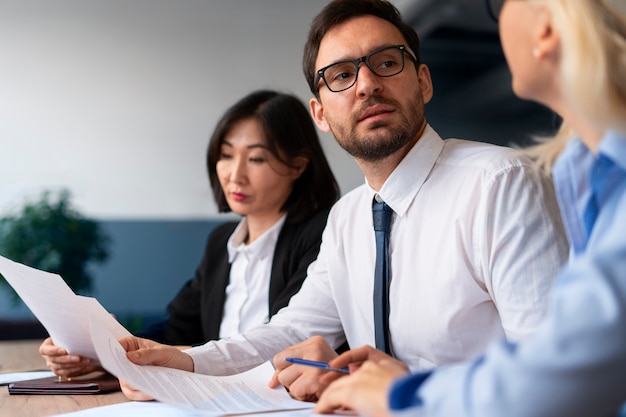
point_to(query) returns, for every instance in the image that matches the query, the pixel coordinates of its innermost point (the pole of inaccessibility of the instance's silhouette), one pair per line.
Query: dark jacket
(195, 315)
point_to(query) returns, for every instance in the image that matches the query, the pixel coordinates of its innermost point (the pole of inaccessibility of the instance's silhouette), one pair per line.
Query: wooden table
(19, 356)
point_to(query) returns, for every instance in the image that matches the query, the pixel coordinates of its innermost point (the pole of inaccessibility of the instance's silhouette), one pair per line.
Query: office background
(115, 101)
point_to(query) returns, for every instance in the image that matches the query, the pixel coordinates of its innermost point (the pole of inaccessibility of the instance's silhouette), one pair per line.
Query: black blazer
(195, 315)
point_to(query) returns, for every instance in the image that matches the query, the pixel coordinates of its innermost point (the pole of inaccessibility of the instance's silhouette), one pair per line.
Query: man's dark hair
(290, 133)
(340, 11)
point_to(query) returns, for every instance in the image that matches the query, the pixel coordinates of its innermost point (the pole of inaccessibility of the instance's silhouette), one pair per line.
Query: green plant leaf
(50, 235)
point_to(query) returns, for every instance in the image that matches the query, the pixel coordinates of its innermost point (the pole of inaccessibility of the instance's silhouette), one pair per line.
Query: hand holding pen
(365, 390)
(317, 364)
(303, 382)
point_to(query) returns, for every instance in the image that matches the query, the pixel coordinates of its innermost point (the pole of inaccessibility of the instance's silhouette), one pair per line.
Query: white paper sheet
(203, 394)
(84, 327)
(133, 409)
(64, 314)
(6, 379)
(157, 409)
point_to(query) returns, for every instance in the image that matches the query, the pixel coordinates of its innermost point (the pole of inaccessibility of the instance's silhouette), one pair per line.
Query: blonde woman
(571, 56)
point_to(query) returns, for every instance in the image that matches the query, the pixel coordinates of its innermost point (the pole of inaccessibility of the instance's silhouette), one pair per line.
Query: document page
(157, 409)
(64, 314)
(6, 379)
(203, 394)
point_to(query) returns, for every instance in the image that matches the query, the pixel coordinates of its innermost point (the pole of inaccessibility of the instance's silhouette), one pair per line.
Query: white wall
(115, 99)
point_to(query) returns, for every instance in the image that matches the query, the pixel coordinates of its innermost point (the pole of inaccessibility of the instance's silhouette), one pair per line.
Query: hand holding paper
(64, 314)
(146, 352)
(207, 395)
(84, 327)
(64, 364)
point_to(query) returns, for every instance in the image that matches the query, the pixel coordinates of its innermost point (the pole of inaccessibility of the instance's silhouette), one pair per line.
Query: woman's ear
(299, 165)
(546, 39)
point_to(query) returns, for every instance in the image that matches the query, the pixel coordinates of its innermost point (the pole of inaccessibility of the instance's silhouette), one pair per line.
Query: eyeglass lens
(384, 63)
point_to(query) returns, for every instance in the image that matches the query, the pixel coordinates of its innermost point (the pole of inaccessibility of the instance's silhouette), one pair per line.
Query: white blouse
(247, 293)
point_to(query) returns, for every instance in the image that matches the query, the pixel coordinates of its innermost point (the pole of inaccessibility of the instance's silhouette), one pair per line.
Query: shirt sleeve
(311, 311)
(404, 391)
(308, 314)
(242, 352)
(521, 246)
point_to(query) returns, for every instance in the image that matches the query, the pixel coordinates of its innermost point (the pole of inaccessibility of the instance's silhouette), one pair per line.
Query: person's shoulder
(487, 156)
(315, 221)
(351, 198)
(222, 232)
(226, 227)
(347, 205)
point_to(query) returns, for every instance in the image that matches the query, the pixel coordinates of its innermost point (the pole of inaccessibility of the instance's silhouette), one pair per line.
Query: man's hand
(64, 364)
(303, 382)
(146, 352)
(132, 393)
(355, 357)
(366, 389)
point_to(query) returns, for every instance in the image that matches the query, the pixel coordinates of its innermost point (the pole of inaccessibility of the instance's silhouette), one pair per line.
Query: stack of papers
(83, 327)
(64, 314)
(156, 409)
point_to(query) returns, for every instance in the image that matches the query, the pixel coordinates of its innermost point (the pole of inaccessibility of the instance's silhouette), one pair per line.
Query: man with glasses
(384, 62)
(475, 236)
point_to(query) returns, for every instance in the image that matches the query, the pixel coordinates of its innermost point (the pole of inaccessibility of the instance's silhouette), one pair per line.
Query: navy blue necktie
(382, 220)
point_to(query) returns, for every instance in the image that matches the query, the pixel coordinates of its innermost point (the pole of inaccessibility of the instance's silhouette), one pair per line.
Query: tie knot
(382, 216)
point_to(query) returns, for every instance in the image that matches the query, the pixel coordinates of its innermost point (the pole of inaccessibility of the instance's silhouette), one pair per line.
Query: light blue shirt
(575, 363)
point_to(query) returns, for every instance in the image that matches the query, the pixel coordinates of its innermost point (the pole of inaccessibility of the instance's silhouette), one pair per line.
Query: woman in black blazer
(265, 163)
(195, 314)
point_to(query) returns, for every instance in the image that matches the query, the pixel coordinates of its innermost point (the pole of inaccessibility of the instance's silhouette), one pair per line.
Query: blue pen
(321, 365)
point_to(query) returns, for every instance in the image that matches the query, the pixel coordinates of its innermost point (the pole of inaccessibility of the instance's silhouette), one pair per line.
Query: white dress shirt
(476, 241)
(247, 302)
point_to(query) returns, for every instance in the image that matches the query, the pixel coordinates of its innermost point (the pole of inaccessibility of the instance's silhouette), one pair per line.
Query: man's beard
(383, 140)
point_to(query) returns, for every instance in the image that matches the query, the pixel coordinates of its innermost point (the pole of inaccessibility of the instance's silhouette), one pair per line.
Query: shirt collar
(568, 166)
(613, 146)
(572, 175)
(400, 189)
(609, 167)
(261, 247)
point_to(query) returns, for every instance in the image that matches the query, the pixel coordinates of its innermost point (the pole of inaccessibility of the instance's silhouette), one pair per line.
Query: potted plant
(49, 235)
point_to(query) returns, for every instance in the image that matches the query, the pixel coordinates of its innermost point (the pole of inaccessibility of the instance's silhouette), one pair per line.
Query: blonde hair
(593, 68)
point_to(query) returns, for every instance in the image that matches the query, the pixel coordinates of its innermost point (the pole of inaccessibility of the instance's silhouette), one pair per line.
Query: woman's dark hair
(339, 11)
(290, 133)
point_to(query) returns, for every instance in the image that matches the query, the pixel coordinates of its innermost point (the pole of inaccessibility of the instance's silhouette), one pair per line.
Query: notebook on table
(94, 383)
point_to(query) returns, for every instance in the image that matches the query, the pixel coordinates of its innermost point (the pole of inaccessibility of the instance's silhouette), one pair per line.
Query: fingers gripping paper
(207, 395)
(64, 314)
(84, 327)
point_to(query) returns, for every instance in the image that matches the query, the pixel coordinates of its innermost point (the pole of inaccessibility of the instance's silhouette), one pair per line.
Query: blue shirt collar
(579, 175)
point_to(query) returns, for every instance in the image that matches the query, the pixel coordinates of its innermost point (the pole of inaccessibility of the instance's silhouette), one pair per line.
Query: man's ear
(546, 39)
(317, 113)
(425, 83)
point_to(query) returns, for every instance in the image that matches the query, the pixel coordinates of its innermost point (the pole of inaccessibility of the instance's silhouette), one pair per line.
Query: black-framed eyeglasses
(384, 62)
